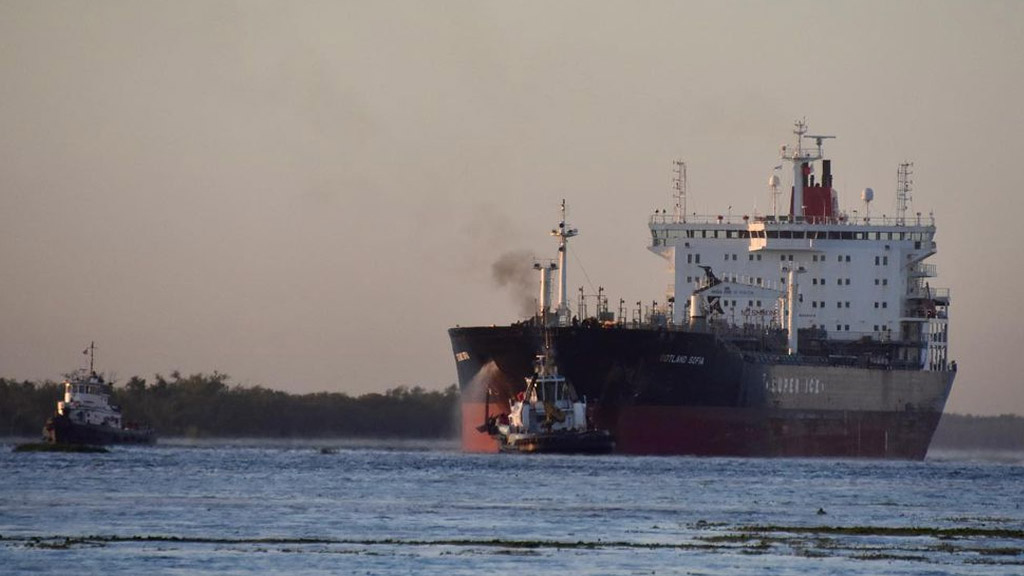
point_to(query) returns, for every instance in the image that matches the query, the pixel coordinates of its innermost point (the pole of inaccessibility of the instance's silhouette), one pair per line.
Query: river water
(424, 508)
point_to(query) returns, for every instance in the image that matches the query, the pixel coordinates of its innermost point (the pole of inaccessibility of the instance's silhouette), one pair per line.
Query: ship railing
(928, 292)
(844, 219)
(924, 271)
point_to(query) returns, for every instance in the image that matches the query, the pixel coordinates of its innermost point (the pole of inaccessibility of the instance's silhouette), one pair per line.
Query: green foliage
(958, 431)
(25, 406)
(202, 405)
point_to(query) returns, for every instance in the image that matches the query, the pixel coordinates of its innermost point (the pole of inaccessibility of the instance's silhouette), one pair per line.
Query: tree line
(206, 405)
(966, 432)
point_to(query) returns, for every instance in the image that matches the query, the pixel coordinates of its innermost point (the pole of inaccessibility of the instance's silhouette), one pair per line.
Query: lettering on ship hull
(793, 385)
(682, 359)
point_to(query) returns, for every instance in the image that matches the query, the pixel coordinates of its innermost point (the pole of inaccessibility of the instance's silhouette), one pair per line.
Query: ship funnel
(544, 301)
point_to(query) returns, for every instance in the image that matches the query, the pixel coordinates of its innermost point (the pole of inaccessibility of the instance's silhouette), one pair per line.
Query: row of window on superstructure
(808, 234)
(782, 280)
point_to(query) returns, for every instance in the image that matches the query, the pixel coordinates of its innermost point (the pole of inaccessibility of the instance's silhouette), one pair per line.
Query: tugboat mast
(91, 351)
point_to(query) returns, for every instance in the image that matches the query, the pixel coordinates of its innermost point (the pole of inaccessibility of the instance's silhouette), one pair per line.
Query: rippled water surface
(246, 508)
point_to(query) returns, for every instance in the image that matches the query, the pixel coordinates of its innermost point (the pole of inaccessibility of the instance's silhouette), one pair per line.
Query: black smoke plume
(514, 272)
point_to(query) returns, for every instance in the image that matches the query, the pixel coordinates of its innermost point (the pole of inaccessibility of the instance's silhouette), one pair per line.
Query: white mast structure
(563, 233)
(904, 185)
(799, 158)
(679, 186)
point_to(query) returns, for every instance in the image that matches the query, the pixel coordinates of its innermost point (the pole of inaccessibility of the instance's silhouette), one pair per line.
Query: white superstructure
(860, 277)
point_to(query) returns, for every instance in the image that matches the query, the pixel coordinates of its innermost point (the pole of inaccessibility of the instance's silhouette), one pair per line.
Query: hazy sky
(305, 196)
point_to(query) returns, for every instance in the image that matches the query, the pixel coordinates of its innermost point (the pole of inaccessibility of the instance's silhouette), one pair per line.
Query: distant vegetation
(957, 431)
(206, 406)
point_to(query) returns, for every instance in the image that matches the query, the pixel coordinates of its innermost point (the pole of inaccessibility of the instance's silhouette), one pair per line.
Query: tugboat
(548, 417)
(86, 416)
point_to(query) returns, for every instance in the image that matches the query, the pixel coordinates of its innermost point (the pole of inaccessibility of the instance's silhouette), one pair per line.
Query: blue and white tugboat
(86, 416)
(548, 416)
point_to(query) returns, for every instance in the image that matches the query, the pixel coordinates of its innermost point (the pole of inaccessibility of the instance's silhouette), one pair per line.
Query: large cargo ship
(814, 333)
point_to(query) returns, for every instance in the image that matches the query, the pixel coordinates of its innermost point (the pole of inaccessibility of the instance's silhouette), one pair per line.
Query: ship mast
(91, 351)
(904, 185)
(801, 160)
(563, 233)
(679, 187)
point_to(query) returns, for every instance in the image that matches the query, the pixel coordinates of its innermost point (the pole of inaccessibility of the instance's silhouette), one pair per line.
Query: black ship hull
(568, 442)
(60, 429)
(676, 392)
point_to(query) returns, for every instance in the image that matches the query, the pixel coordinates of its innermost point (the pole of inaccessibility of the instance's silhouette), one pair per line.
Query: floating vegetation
(961, 532)
(968, 544)
(50, 447)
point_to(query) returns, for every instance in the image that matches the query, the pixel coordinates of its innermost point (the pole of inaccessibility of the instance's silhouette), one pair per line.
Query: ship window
(758, 257)
(785, 234)
(814, 258)
(689, 258)
(726, 257)
(878, 260)
(885, 304)
(876, 327)
(885, 260)
(689, 279)
(821, 281)
(782, 257)
(847, 257)
(885, 281)
(773, 233)
(814, 304)
(847, 235)
(839, 258)
(839, 304)
(839, 281)
(846, 327)
(758, 281)
(847, 304)
(758, 303)
(860, 235)
(833, 235)
(876, 279)
(733, 257)
(838, 327)
(847, 281)
(782, 280)
(750, 303)
(876, 304)
(815, 282)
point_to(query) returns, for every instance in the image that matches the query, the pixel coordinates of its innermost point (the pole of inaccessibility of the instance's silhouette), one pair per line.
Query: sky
(306, 196)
